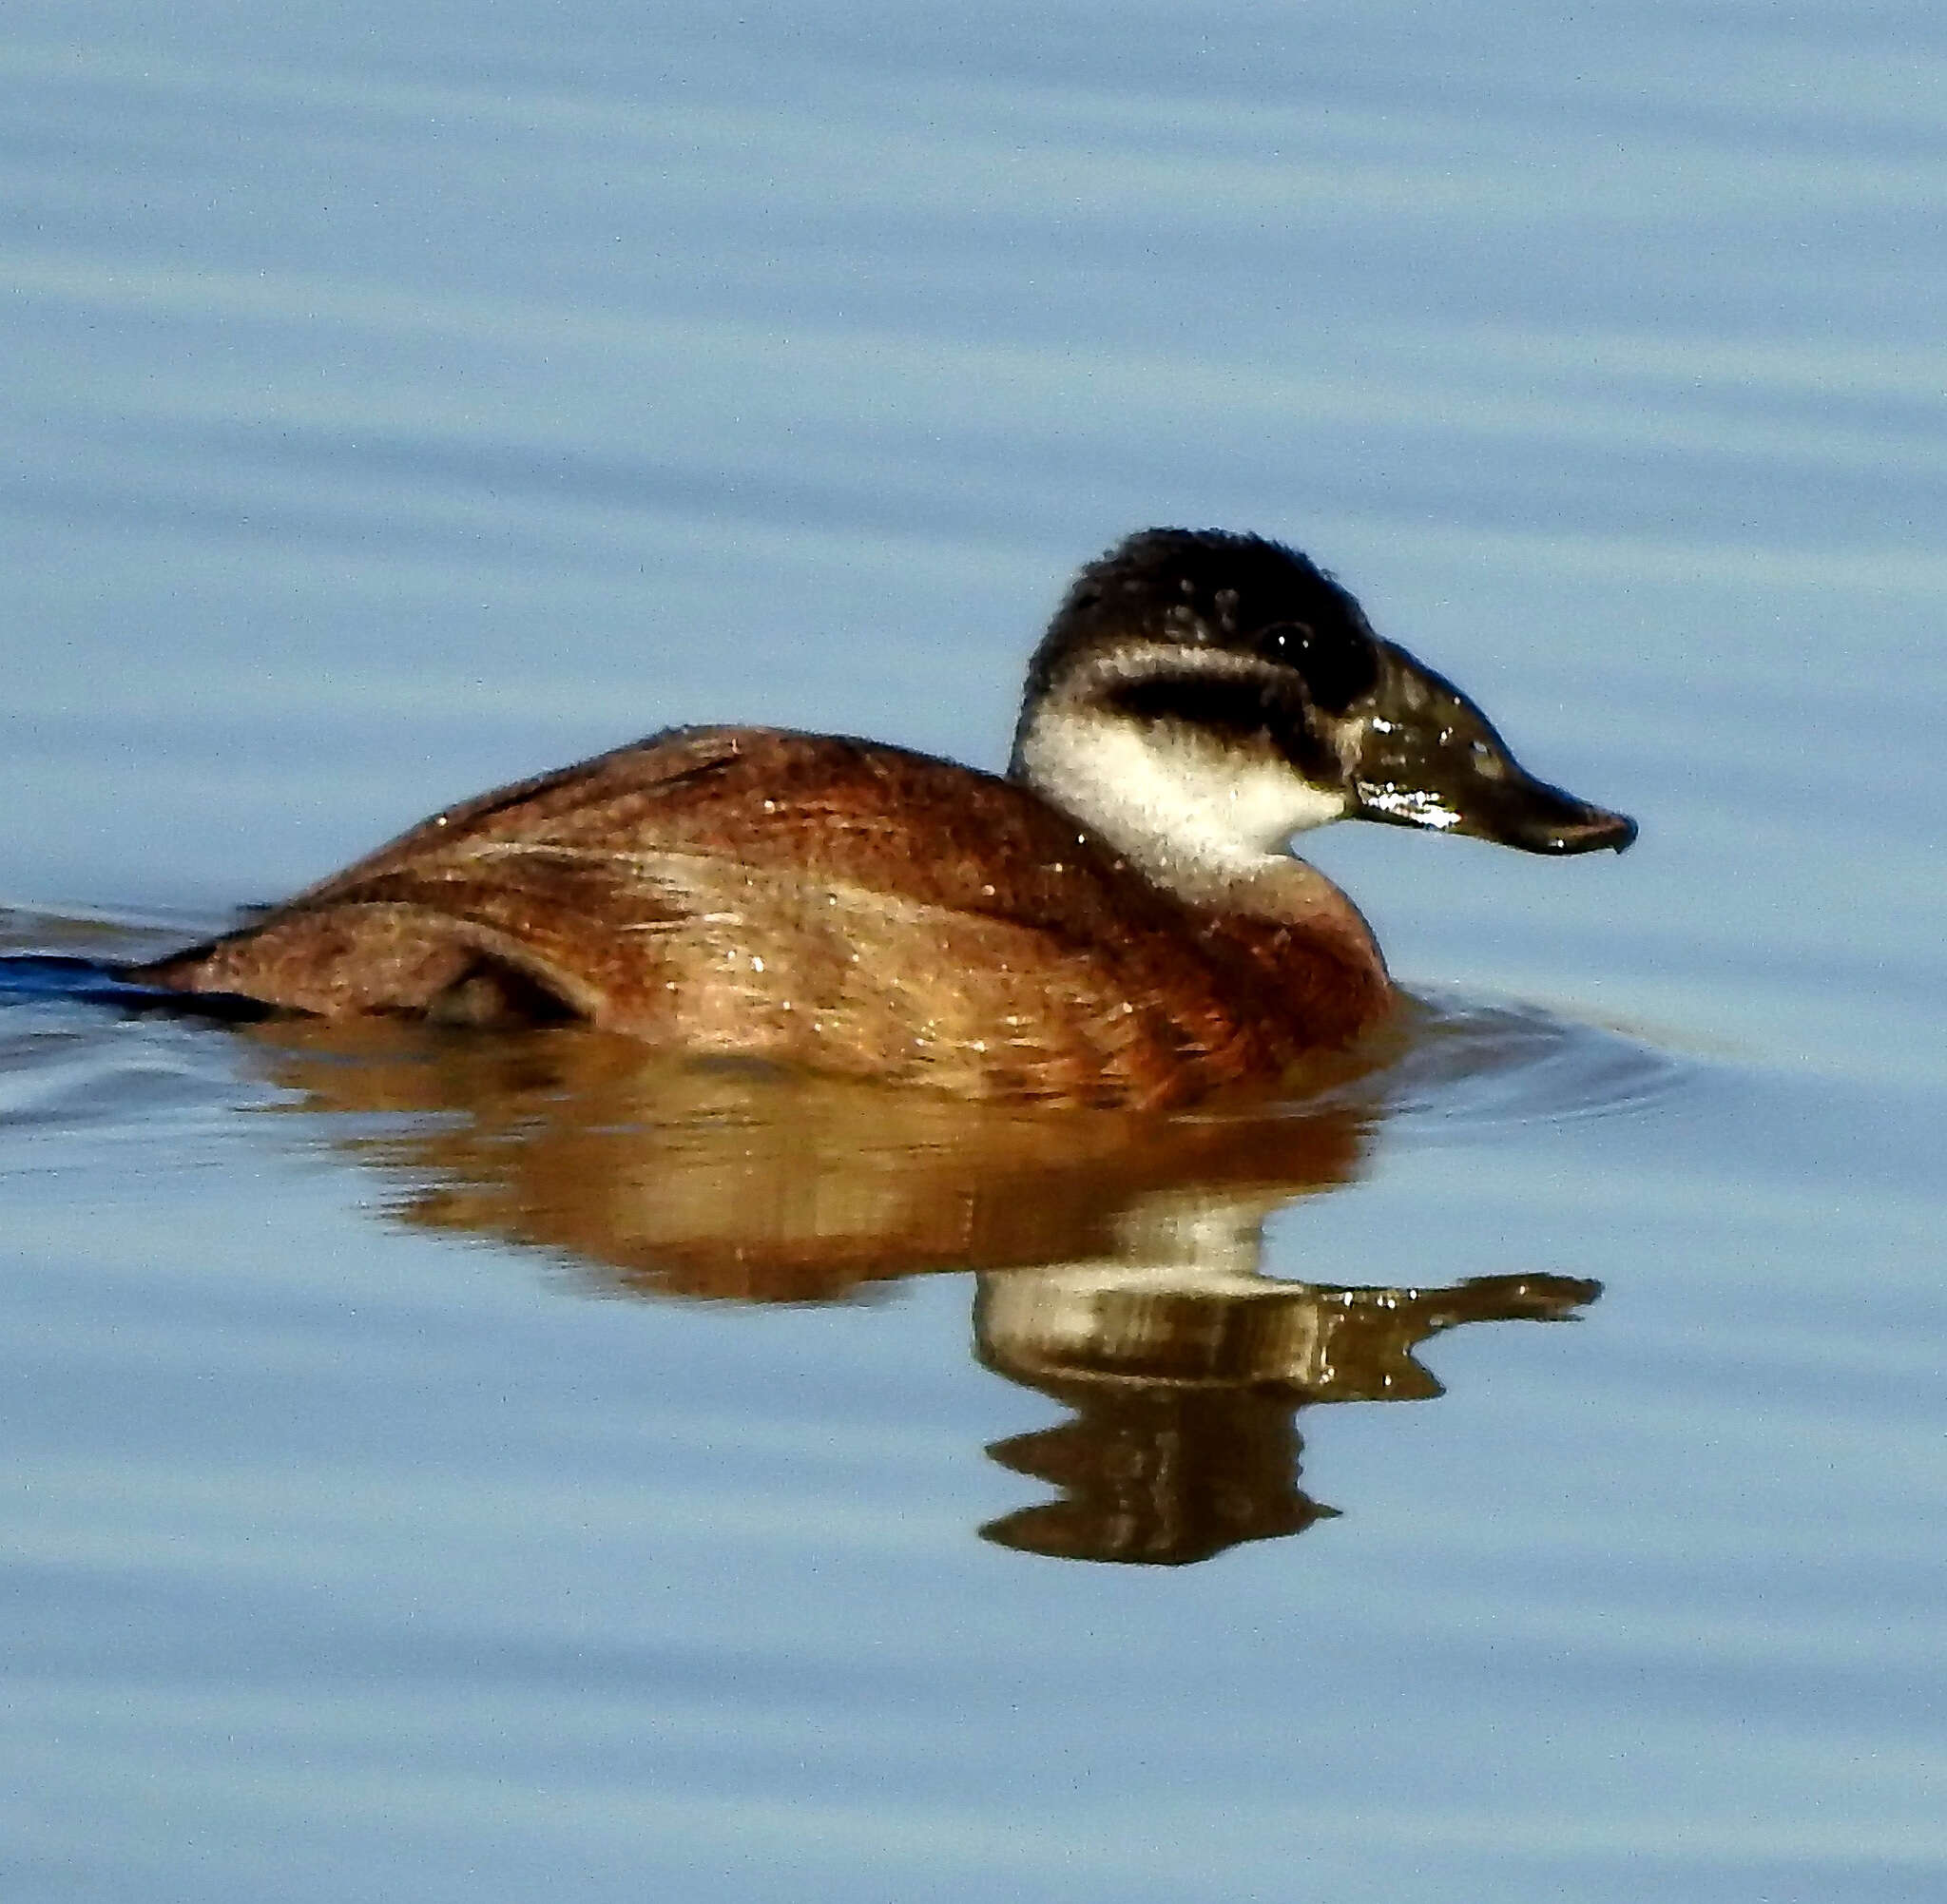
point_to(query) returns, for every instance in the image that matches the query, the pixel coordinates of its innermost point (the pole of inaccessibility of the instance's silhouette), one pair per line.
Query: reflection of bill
(1119, 1255)
(1185, 1379)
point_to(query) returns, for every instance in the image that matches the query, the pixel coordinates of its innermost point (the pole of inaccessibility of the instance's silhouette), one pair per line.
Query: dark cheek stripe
(1239, 711)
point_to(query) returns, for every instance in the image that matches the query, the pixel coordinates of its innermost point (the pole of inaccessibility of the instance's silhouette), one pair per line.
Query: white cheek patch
(1261, 806)
(1163, 796)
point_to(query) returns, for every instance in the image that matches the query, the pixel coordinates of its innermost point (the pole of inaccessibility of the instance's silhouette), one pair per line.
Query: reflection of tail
(90, 982)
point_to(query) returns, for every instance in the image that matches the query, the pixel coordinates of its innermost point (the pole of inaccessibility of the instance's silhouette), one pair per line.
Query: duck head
(1202, 696)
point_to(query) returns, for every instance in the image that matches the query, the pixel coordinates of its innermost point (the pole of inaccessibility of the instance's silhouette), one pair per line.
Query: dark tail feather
(90, 981)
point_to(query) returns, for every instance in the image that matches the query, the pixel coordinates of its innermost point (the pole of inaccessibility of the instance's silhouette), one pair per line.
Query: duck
(1117, 921)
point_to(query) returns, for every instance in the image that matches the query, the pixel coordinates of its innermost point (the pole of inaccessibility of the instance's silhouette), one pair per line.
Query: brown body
(831, 904)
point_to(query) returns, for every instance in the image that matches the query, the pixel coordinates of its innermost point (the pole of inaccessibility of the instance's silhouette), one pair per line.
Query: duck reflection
(1117, 1257)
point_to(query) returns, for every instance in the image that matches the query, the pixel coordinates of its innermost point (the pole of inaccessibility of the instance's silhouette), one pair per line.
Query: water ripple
(1471, 1064)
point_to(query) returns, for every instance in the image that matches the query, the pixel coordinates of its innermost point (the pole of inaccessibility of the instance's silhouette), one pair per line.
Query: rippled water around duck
(474, 1467)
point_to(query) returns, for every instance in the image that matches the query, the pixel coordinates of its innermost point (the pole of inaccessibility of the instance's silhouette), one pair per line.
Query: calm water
(478, 1467)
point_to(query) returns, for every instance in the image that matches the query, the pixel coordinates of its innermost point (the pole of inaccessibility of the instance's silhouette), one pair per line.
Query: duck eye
(1337, 665)
(1283, 640)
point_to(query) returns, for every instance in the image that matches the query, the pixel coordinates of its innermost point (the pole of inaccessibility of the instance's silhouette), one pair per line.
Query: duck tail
(50, 975)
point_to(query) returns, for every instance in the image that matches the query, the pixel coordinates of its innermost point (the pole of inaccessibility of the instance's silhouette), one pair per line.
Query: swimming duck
(1117, 922)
